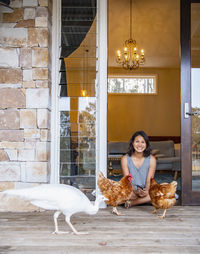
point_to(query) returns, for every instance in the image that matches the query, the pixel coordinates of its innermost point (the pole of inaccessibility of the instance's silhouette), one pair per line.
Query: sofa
(168, 158)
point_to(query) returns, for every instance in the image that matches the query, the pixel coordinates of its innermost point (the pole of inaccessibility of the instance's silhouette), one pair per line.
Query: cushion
(165, 147)
(117, 147)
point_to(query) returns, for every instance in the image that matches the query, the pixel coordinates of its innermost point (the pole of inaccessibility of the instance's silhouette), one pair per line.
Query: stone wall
(25, 71)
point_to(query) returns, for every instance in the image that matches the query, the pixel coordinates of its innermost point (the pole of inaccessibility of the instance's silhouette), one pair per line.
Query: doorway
(156, 29)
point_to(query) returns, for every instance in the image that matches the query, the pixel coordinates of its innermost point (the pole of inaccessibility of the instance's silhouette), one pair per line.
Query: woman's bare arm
(151, 172)
(124, 165)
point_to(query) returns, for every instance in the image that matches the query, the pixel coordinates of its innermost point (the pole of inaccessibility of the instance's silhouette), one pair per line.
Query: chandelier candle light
(130, 59)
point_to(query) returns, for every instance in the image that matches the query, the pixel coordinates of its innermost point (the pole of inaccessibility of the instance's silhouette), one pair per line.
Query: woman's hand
(142, 192)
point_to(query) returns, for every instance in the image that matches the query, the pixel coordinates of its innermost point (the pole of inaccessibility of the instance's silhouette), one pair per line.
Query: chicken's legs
(163, 215)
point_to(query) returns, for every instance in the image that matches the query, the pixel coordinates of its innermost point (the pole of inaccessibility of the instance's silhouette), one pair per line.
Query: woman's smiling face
(139, 144)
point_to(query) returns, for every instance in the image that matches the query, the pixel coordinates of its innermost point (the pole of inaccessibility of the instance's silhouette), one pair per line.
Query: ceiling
(156, 29)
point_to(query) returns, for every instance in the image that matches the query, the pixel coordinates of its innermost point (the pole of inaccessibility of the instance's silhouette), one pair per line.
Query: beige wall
(157, 115)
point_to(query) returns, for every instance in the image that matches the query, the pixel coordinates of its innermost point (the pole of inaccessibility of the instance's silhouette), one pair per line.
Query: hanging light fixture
(130, 59)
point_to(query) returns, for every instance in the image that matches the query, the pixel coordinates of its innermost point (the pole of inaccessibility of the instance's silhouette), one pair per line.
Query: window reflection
(195, 109)
(77, 138)
(195, 94)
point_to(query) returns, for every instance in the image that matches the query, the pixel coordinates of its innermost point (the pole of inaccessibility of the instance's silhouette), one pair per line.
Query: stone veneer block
(41, 12)
(11, 145)
(23, 171)
(43, 2)
(12, 98)
(12, 154)
(41, 151)
(40, 73)
(11, 135)
(42, 118)
(6, 186)
(10, 86)
(32, 133)
(28, 84)
(9, 58)
(3, 156)
(37, 98)
(8, 25)
(43, 37)
(28, 118)
(38, 37)
(9, 171)
(10, 76)
(26, 23)
(41, 83)
(15, 16)
(30, 3)
(37, 172)
(29, 13)
(43, 135)
(14, 37)
(26, 155)
(40, 57)
(9, 119)
(41, 22)
(30, 145)
(26, 58)
(16, 4)
(33, 37)
(27, 75)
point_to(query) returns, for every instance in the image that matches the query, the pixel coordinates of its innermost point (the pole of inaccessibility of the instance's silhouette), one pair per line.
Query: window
(133, 85)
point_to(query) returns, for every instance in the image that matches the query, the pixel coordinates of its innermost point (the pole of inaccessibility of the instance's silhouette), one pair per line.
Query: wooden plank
(138, 231)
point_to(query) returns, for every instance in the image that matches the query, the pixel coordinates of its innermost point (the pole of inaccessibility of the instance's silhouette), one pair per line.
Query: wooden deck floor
(138, 231)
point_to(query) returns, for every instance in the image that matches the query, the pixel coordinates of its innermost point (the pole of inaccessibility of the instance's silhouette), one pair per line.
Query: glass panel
(195, 94)
(78, 140)
(78, 102)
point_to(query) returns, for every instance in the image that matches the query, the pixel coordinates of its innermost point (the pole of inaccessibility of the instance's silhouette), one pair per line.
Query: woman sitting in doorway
(142, 165)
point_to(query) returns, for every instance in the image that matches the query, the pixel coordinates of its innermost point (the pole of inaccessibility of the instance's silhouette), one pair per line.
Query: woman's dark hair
(131, 149)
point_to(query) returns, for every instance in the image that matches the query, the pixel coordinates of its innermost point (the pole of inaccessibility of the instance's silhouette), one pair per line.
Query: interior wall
(157, 115)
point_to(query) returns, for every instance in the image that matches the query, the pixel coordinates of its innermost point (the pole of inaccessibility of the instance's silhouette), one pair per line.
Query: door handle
(192, 113)
(186, 111)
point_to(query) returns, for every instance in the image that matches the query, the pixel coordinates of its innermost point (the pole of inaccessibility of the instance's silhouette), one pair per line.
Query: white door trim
(101, 148)
(55, 142)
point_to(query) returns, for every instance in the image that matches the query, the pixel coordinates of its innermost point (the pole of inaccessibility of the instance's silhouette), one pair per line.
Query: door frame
(189, 197)
(55, 51)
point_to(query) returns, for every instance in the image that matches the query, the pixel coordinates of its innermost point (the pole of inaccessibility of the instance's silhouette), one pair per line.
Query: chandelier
(130, 58)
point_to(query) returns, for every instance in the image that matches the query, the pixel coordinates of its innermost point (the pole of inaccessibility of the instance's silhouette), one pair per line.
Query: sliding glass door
(190, 96)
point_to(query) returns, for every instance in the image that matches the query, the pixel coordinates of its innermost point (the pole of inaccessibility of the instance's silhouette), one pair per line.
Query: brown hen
(162, 195)
(116, 192)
